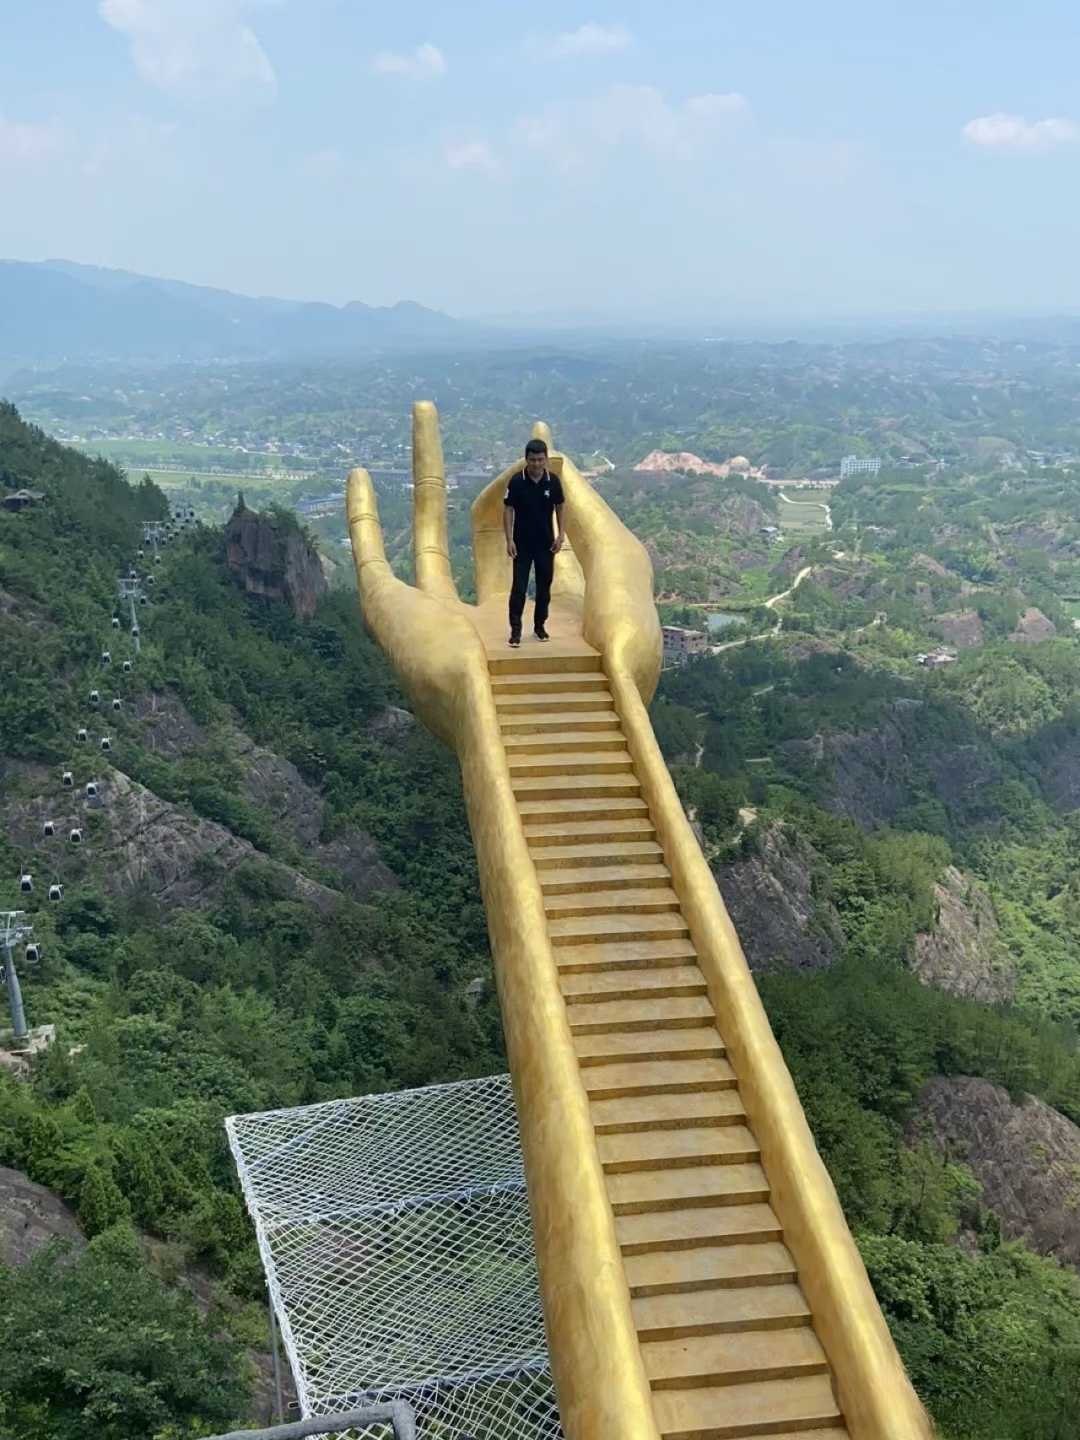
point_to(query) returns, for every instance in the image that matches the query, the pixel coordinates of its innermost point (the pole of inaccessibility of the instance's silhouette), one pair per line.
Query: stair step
(607, 1079)
(589, 987)
(559, 741)
(677, 1149)
(697, 1185)
(608, 1016)
(551, 664)
(616, 927)
(677, 1272)
(629, 1114)
(777, 1408)
(571, 808)
(538, 681)
(613, 956)
(716, 1312)
(733, 1359)
(660, 1230)
(622, 785)
(536, 714)
(575, 762)
(601, 902)
(612, 850)
(542, 836)
(651, 875)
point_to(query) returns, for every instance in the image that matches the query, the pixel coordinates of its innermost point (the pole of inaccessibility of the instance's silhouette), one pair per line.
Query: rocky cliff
(1025, 1157)
(31, 1216)
(274, 560)
(138, 840)
(770, 897)
(874, 774)
(963, 953)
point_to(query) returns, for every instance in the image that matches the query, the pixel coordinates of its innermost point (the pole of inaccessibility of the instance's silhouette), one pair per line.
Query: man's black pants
(524, 561)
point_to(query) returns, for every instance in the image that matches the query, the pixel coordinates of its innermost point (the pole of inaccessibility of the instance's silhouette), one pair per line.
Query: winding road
(770, 604)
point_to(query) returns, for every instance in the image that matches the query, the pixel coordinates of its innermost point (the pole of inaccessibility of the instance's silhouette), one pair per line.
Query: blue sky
(688, 160)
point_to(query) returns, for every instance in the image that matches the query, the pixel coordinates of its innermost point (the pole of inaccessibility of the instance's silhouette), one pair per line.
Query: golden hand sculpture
(444, 653)
(436, 646)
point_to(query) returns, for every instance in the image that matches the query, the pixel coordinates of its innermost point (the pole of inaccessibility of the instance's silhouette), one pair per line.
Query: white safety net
(394, 1231)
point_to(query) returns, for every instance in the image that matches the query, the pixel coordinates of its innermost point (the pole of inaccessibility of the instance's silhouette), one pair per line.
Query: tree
(99, 1348)
(101, 1203)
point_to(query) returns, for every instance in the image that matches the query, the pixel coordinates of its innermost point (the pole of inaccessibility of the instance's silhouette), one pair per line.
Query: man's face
(535, 465)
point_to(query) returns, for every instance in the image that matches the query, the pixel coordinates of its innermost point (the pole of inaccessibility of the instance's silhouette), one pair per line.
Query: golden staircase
(697, 1274)
(726, 1334)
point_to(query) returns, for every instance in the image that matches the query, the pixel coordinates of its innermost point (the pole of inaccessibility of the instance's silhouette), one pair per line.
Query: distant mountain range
(57, 309)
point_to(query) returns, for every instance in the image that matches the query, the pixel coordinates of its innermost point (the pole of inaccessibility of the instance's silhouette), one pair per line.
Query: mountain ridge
(56, 308)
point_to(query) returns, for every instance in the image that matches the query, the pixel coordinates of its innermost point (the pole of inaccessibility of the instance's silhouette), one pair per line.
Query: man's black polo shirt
(533, 503)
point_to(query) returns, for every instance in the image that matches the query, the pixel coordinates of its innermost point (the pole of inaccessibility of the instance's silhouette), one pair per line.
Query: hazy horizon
(693, 165)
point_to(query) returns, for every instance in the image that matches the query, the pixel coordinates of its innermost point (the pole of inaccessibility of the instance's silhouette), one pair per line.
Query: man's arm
(508, 529)
(557, 543)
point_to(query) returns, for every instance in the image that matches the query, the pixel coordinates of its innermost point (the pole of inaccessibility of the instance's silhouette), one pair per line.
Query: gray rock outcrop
(963, 952)
(1026, 1159)
(31, 1216)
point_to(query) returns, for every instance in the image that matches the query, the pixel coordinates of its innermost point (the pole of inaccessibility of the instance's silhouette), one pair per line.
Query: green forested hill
(268, 970)
(168, 1017)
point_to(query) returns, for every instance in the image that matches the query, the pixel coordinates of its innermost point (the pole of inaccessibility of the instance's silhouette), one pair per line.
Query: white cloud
(193, 48)
(23, 143)
(426, 62)
(587, 40)
(473, 155)
(569, 135)
(1013, 132)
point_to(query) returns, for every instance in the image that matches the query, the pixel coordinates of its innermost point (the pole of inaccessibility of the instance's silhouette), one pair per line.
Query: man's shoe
(515, 638)
(541, 633)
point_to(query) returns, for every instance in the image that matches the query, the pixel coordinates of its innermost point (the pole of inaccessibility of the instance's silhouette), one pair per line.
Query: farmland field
(801, 515)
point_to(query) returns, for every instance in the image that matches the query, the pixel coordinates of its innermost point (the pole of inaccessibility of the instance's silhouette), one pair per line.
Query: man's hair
(536, 447)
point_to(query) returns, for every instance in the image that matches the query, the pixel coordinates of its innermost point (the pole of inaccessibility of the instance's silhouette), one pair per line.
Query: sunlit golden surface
(697, 1274)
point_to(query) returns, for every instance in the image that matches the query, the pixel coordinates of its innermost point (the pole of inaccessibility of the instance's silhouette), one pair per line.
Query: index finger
(431, 550)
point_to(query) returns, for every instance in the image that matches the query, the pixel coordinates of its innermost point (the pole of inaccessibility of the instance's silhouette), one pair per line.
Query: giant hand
(440, 650)
(444, 653)
(433, 638)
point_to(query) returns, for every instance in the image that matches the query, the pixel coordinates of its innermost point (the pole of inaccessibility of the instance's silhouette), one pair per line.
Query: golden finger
(431, 551)
(492, 566)
(365, 532)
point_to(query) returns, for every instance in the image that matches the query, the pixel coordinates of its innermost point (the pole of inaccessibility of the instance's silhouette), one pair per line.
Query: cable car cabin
(80, 737)
(26, 882)
(142, 600)
(133, 574)
(116, 622)
(135, 631)
(106, 658)
(106, 743)
(139, 555)
(95, 697)
(32, 954)
(149, 579)
(76, 836)
(127, 667)
(49, 828)
(55, 892)
(68, 779)
(117, 704)
(91, 789)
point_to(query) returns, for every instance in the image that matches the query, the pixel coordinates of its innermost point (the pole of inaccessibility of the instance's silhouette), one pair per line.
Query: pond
(720, 619)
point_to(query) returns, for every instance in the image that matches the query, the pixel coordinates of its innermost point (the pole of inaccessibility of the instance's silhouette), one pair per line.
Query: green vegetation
(252, 1000)
(831, 732)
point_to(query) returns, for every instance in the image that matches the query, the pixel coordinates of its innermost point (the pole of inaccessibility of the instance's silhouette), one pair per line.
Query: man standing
(532, 497)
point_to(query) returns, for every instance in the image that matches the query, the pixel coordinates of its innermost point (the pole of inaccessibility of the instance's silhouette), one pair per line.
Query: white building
(852, 465)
